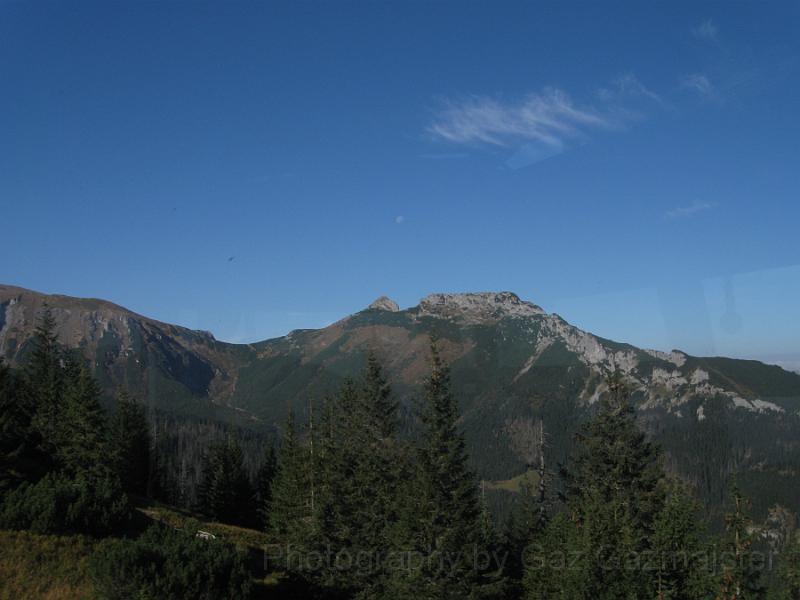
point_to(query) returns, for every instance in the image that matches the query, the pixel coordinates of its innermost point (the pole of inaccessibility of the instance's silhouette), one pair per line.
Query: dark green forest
(360, 499)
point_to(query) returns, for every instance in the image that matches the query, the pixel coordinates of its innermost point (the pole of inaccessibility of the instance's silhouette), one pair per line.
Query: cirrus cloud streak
(549, 117)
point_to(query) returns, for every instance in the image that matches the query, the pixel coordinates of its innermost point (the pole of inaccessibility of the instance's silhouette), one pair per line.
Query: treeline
(181, 445)
(360, 512)
(357, 508)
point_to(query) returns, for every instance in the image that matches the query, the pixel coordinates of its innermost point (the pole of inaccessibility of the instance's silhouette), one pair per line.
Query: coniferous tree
(334, 491)
(555, 562)
(529, 517)
(43, 368)
(131, 445)
(69, 483)
(265, 477)
(380, 469)
(447, 532)
(63, 400)
(333, 525)
(740, 578)
(789, 569)
(524, 528)
(291, 499)
(225, 492)
(380, 408)
(514, 547)
(615, 492)
(621, 534)
(359, 464)
(80, 435)
(44, 388)
(678, 547)
(486, 531)
(14, 431)
(489, 559)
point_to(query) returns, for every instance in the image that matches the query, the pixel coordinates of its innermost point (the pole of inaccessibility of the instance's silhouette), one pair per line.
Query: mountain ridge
(381, 303)
(512, 364)
(465, 308)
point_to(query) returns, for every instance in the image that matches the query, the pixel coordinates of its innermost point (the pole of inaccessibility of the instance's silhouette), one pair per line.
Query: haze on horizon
(255, 169)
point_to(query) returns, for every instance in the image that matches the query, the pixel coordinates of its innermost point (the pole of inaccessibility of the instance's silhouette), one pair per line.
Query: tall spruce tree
(447, 529)
(81, 431)
(43, 390)
(380, 468)
(290, 516)
(380, 408)
(334, 491)
(359, 465)
(614, 490)
(334, 527)
(740, 578)
(43, 368)
(625, 533)
(131, 445)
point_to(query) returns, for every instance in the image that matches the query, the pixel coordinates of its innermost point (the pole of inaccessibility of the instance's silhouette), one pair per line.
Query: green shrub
(164, 564)
(59, 504)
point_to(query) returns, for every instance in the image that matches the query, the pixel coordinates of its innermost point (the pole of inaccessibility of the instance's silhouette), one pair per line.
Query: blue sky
(255, 168)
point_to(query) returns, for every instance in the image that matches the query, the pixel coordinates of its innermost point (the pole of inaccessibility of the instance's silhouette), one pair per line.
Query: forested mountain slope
(512, 364)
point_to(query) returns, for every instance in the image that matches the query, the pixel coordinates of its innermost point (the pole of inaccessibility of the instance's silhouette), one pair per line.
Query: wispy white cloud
(701, 85)
(549, 117)
(706, 30)
(399, 219)
(687, 211)
(543, 124)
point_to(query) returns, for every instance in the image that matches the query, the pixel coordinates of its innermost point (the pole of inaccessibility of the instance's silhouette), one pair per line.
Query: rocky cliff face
(480, 307)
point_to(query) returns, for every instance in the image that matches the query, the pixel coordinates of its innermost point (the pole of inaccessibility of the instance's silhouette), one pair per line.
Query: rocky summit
(384, 303)
(478, 307)
(513, 364)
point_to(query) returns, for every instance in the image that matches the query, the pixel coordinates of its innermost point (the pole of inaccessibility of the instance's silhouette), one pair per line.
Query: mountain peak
(384, 303)
(478, 305)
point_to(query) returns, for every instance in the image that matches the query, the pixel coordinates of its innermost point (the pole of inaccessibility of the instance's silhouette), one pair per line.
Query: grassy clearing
(515, 483)
(51, 567)
(241, 537)
(44, 567)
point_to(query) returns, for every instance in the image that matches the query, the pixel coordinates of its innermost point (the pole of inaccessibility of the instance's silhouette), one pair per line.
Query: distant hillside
(513, 363)
(168, 366)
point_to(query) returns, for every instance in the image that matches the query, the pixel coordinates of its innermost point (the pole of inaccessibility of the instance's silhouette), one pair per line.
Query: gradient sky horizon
(252, 168)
